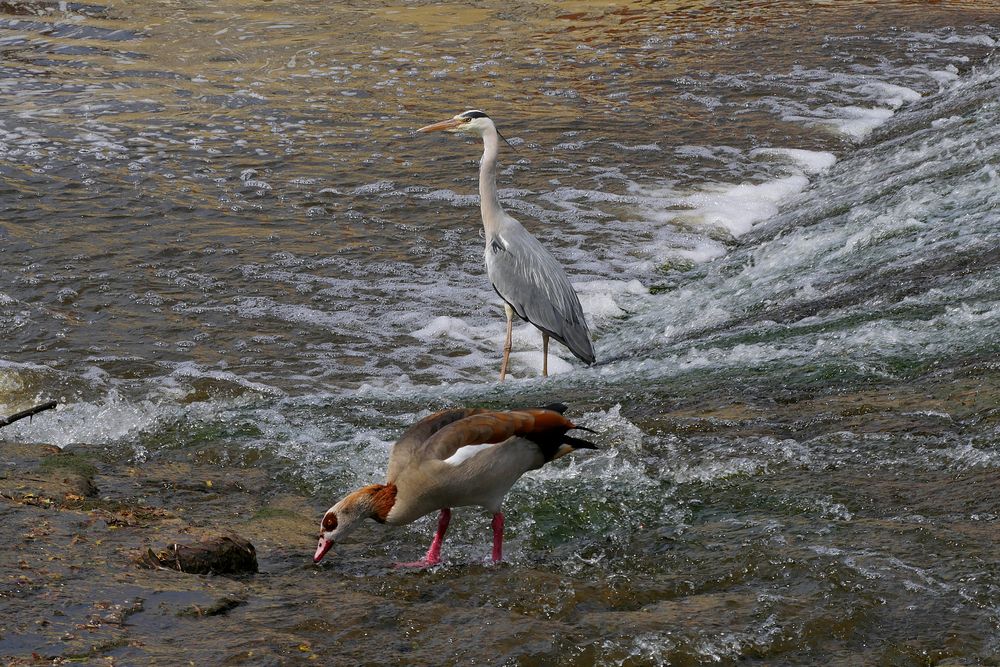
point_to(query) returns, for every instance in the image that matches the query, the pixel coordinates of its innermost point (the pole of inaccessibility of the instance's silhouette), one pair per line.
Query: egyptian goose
(454, 458)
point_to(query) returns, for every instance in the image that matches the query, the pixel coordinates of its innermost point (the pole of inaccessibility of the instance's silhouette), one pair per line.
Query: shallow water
(221, 235)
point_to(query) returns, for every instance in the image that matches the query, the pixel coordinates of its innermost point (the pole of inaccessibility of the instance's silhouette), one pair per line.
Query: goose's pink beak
(321, 549)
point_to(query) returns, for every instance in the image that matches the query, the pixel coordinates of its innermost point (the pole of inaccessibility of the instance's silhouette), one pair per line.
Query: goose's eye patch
(329, 522)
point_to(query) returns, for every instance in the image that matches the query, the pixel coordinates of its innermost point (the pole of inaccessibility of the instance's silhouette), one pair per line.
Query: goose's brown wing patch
(489, 427)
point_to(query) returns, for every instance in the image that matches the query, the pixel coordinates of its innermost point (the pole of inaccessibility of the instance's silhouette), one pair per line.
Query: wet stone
(222, 605)
(226, 554)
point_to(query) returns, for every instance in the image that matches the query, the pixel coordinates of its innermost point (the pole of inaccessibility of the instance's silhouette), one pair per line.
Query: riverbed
(223, 244)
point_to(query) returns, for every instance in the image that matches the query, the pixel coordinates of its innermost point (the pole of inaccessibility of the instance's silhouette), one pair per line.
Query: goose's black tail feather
(577, 443)
(560, 445)
(556, 443)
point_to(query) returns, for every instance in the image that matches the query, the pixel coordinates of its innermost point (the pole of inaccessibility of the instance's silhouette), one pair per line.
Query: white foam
(975, 40)
(945, 76)
(110, 420)
(858, 122)
(446, 327)
(685, 221)
(851, 121)
(377, 187)
(615, 429)
(610, 287)
(529, 363)
(888, 93)
(601, 298)
(966, 456)
(737, 208)
(264, 308)
(637, 147)
(679, 252)
(482, 346)
(615, 464)
(600, 307)
(452, 198)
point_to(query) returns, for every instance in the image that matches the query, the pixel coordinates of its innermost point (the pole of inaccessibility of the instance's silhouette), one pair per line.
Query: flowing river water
(220, 235)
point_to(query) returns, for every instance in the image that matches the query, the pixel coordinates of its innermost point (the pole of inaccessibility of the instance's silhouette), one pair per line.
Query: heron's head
(371, 502)
(468, 122)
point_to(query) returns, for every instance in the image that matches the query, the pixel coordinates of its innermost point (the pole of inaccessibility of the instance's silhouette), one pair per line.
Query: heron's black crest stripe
(473, 114)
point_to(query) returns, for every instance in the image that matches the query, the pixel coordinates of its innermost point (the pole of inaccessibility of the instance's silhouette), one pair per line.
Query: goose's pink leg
(433, 556)
(497, 537)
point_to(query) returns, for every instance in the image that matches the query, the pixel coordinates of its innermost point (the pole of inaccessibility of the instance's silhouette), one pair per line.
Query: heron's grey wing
(408, 447)
(529, 278)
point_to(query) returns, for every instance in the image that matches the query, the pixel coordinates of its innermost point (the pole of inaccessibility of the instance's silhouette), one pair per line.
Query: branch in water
(6, 421)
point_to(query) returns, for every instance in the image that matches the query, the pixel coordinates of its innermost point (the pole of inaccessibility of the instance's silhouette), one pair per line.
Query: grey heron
(527, 277)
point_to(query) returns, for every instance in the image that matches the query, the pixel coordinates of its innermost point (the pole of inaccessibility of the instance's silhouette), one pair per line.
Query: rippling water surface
(220, 233)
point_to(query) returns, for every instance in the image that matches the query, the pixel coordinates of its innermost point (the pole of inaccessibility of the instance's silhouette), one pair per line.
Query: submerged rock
(217, 607)
(45, 474)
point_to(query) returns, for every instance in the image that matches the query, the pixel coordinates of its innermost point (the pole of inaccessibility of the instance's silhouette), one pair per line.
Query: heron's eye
(329, 522)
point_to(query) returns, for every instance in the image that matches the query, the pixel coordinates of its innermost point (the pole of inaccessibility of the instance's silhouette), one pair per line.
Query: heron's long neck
(489, 202)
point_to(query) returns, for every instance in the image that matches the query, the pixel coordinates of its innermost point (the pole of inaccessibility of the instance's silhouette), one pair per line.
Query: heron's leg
(545, 354)
(433, 556)
(497, 537)
(507, 343)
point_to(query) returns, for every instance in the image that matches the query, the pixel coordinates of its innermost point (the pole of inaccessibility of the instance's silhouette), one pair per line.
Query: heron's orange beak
(443, 125)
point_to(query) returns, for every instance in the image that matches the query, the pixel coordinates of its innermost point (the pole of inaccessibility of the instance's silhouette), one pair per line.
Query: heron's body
(527, 277)
(455, 458)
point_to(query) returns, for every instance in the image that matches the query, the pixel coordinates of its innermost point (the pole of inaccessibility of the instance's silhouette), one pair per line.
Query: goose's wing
(465, 437)
(406, 450)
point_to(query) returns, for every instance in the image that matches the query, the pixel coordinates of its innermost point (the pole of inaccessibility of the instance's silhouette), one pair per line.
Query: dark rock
(218, 607)
(227, 554)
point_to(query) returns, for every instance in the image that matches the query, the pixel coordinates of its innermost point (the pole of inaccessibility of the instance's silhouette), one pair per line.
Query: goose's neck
(383, 500)
(489, 201)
